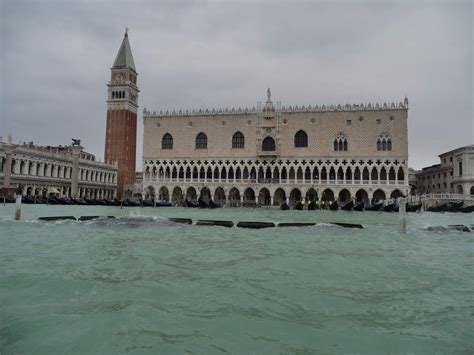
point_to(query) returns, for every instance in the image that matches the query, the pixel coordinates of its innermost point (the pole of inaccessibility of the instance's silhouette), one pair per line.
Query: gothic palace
(263, 155)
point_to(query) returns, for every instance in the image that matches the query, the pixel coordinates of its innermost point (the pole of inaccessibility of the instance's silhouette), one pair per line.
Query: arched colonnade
(262, 195)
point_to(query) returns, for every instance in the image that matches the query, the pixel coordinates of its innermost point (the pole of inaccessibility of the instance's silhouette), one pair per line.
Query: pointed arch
(238, 140)
(264, 197)
(234, 197)
(191, 194)
(163, 194)
(177, 195)
(401, 174)
(205, 194)
(268, 144)
(224, 174)
(167, 141)
(301, 139)
(279, 197)
(340, 143)
(362, 196)
(201, 141)
(295, 196)
(379, 195)
(249, 197)
(365, 175)
(344, 195)
(219, 196)
(384, 142)
(238, 174)
(327, 195)
(391, 174)
(396, 194)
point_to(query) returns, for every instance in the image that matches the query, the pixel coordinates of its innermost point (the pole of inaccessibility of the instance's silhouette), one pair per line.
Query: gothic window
(340, 143)
(201, 141)
(384, 142)
(167, 141)
(268, 145)
(301, 139)
(238, 140)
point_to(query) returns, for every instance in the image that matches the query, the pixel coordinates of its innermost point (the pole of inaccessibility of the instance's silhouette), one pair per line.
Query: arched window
(384, 142)
(201, 141)
(167, 141)
(340, 143)
(238, 140)
(268, 145)
(301, 139)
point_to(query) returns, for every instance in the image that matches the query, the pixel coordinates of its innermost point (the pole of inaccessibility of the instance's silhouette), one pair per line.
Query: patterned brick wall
(120, 145)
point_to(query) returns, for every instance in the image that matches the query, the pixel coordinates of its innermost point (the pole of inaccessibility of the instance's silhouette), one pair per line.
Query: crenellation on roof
(384, 106)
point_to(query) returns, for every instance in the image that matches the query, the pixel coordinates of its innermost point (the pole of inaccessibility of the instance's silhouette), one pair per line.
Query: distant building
(412, 180)
(135, 190)
(454, 173)
(121, 125)
(47, 171)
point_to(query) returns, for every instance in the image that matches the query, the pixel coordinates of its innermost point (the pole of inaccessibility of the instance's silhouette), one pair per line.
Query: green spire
(124, 57)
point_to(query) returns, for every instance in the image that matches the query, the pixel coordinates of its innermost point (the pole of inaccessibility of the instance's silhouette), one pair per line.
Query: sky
(56, 56)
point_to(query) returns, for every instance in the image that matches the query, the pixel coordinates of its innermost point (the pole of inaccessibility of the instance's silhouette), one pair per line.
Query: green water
(145, 285)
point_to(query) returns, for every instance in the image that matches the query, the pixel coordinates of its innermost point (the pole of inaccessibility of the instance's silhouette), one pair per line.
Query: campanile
(121, 127)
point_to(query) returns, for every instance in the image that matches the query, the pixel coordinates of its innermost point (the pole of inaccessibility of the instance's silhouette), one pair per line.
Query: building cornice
(466, 148)
(284, 109)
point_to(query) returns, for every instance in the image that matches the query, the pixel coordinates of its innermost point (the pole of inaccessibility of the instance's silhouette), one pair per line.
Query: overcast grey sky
(56, 56)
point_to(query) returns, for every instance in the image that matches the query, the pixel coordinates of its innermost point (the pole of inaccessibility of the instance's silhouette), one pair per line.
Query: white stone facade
(454, 173)
(271, 154)
(46, 173)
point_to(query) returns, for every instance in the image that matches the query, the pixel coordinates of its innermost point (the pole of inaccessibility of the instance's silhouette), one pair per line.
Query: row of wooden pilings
(402, 219)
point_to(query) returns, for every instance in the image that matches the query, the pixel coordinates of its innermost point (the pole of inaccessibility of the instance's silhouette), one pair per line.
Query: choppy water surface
(141, 284)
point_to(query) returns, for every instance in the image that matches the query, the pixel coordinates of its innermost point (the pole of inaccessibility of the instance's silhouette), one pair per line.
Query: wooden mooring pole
(18, 207)
(402, 213)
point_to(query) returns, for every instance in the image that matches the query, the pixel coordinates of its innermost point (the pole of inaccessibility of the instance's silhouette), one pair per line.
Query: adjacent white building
(46, 171)
(454, 173)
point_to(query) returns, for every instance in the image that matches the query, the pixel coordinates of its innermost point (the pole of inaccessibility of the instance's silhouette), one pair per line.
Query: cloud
(56, 58)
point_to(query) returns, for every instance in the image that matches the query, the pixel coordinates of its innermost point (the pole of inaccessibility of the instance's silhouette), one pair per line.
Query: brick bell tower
(121, 127)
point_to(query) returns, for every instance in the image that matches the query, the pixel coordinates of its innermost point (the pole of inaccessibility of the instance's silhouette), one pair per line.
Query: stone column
(76, 151)
(7, 169)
